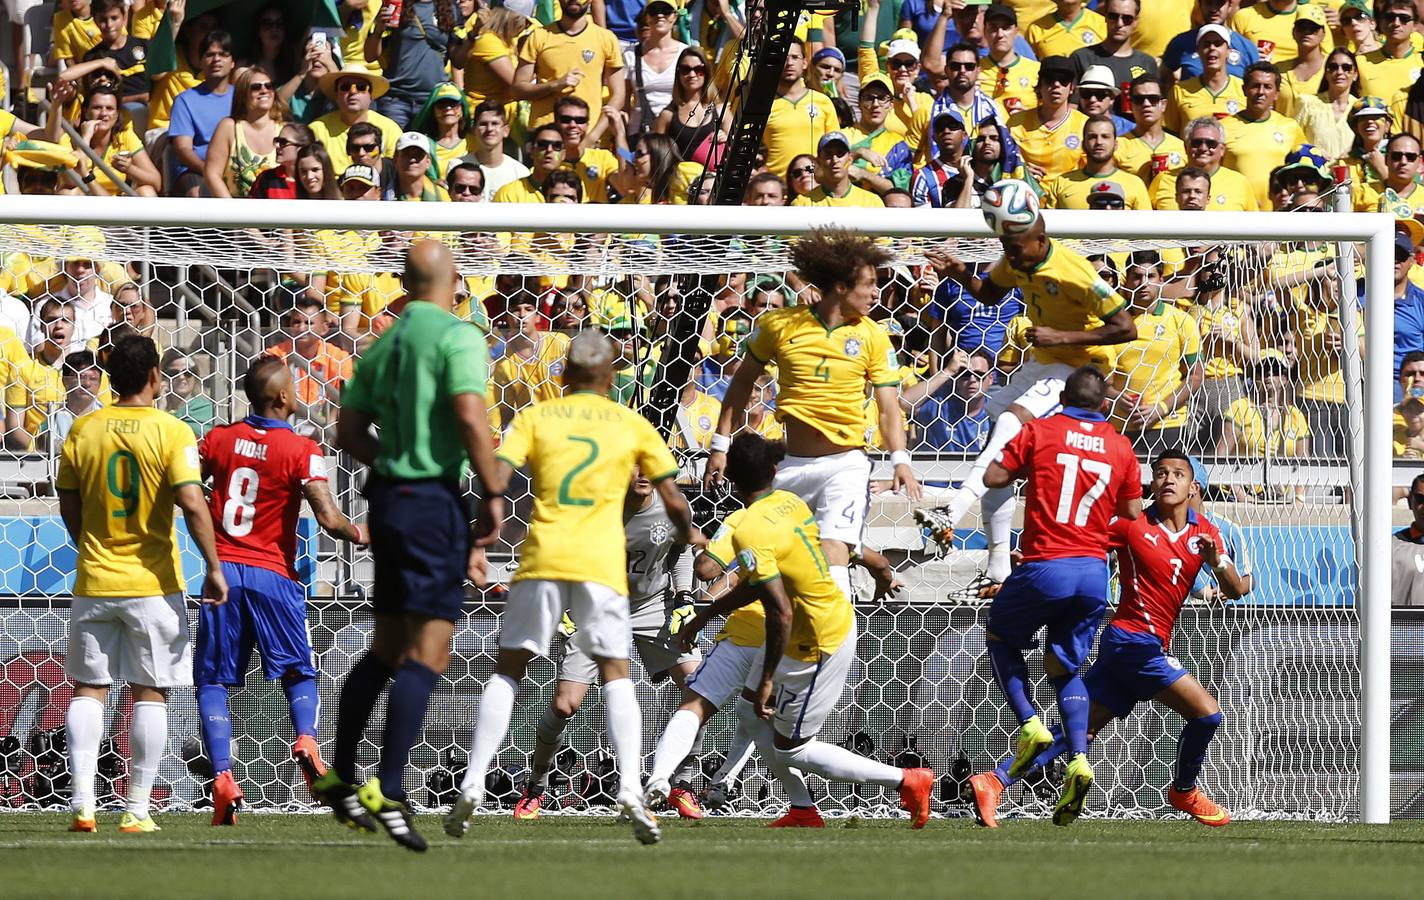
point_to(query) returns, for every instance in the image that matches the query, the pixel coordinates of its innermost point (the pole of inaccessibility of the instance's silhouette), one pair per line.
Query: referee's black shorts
(420, 542)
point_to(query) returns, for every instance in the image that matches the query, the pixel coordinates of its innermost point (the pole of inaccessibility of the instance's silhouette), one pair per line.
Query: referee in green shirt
(423, 382)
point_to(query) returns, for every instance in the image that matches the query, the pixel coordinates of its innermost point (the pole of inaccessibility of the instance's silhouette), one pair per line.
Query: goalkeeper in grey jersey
(660, 591)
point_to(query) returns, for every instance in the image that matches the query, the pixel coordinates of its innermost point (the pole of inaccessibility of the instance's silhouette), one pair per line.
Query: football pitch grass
(310, 856)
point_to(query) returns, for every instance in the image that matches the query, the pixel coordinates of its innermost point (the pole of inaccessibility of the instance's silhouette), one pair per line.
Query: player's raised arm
(734, 407)
(947, 265)
(679, 512)
(1119, 328)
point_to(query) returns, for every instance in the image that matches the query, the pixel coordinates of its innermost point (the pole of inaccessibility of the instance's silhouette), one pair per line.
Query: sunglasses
(804, 170)
(1400, 257)
(970, 373)
(1107, 204)
(1095, 95)
(1210, 143)
(282, 143)
(1403, 156)
(354, 87)
(619, 334)
(1396, 17)
(363, 148)
(260, 86)
(1416, 499)
(962, 66)
(692, 70)
(1125, 18)
(573, 120)
(901, 62)
(1057, 79)
(466, 188)
(877, 98)
(548, 145)
(1339, 67)
(1147, 99)
(177, 373)
(1311, 209)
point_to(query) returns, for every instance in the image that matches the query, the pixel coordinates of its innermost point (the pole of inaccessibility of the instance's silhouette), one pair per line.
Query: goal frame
(1371, 481)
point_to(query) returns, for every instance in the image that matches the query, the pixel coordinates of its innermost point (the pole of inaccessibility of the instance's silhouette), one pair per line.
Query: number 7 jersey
(258, 468)
(1077, 469)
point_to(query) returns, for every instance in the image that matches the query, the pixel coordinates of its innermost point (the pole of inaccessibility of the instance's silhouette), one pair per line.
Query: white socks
(840, 764)
(738, 753)
(148, 734)
(676, 743)
(997, 508)
(841, 576)
(625, 733)
(491, 725)
(84, 728)
(1005, 427)
(761, 731)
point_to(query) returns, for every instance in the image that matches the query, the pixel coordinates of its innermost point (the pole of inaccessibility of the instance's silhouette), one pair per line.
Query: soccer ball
(1010, 207)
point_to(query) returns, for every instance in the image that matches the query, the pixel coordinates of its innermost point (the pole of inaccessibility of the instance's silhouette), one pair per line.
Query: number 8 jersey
(1077, 468)
(258, 467)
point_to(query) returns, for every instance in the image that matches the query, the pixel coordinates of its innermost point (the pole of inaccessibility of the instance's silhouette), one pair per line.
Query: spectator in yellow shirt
(1215, 90)
(1206, 147)
(572, 56)
(799, 116)
(353, 90)
(1258, 138)
(486, 55)
(1071, 26)
(1050, 135)
(1301, 75)
(1400, 192)
(591, 163)
(1270, 24)
(910, 115)
(1395, 66)
(1072, 190)
(414, 179)
(1148, 149)
(1004, 75)
(74, 32)
(546, 153)
(834, 186)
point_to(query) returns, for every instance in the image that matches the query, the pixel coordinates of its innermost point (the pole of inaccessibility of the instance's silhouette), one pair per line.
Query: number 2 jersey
(259, 467)
(1156, 569)
(1077, 468)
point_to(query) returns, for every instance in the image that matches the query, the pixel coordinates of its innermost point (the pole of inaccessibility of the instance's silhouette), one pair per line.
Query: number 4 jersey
(1077, 468)
(259, 467)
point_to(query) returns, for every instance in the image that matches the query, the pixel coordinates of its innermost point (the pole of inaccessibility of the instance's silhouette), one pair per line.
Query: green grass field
(307, 856)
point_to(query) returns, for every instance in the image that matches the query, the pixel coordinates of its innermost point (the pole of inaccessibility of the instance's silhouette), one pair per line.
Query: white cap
(902, 47)
(413, 139)
(524, 7)
(1213, 28)
(1100, 77)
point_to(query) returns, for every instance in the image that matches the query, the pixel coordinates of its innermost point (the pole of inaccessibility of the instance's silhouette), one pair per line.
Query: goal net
(1248, 357)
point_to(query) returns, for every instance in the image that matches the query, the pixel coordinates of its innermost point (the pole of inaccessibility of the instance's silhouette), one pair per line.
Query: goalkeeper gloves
(682, 612)
(567, 626)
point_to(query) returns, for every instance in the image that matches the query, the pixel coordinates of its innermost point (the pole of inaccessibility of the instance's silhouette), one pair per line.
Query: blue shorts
(1065, 596)
(420, 544)
(262, 608)
(1131, 668)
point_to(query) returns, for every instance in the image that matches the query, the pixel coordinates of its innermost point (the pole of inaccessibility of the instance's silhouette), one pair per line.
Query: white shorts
(727, 669)
(836, 487)
(137, 640)
(535, 605)
(806, 692)
(1034, 385)
(657, 648)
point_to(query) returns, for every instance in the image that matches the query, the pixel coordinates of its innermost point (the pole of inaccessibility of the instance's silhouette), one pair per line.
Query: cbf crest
(588, 56)
(852, 347)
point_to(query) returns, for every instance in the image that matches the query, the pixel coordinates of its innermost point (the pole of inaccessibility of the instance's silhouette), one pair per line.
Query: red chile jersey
(1077, 467)
(259, 467)
(1156, 569)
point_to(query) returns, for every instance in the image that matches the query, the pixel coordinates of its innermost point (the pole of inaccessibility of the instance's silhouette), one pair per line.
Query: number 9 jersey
(258, 467)
(1077, 468)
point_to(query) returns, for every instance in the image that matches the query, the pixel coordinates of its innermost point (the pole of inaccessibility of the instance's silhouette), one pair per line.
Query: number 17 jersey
(259, 467)
(1077, 469)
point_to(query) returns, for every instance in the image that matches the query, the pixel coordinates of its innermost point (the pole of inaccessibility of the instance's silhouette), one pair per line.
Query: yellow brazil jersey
(795, 127)
(745, 627)
(1230, 191)
(554, 52)
(1227, 319)
(521, 190)
(445, 157)
(1191, 99)
(144, 23)
(1052, 36)
(1255, 148)
(330, 130)
(1293, 89)
(821, 372)
(481, 82)
(521, 381)
(166, 88)
(594, 168)
(28, 384)
(1055, 150)
(1012, 86)
(1272, 32)
(1384, 76)
(1151, 366)
(1072, 189)
(74, 37)
(1063, 292)
(909, 120)
(854, 196)
(1135, 155)
(352, 285)
(1265, 432)
(1158, 23)
(1373, 196)
(122, 141)
(125, 462)
(778, 538)
(352, 40)
(581, 449)
(702, 415)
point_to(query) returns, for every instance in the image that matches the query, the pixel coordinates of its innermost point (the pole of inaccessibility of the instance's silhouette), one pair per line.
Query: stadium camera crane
(771, 27)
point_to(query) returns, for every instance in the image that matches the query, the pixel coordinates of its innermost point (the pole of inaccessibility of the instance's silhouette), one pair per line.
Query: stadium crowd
(1113, 105)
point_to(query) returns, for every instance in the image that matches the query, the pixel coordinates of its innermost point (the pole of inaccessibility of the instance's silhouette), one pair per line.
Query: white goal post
(1370, 484)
